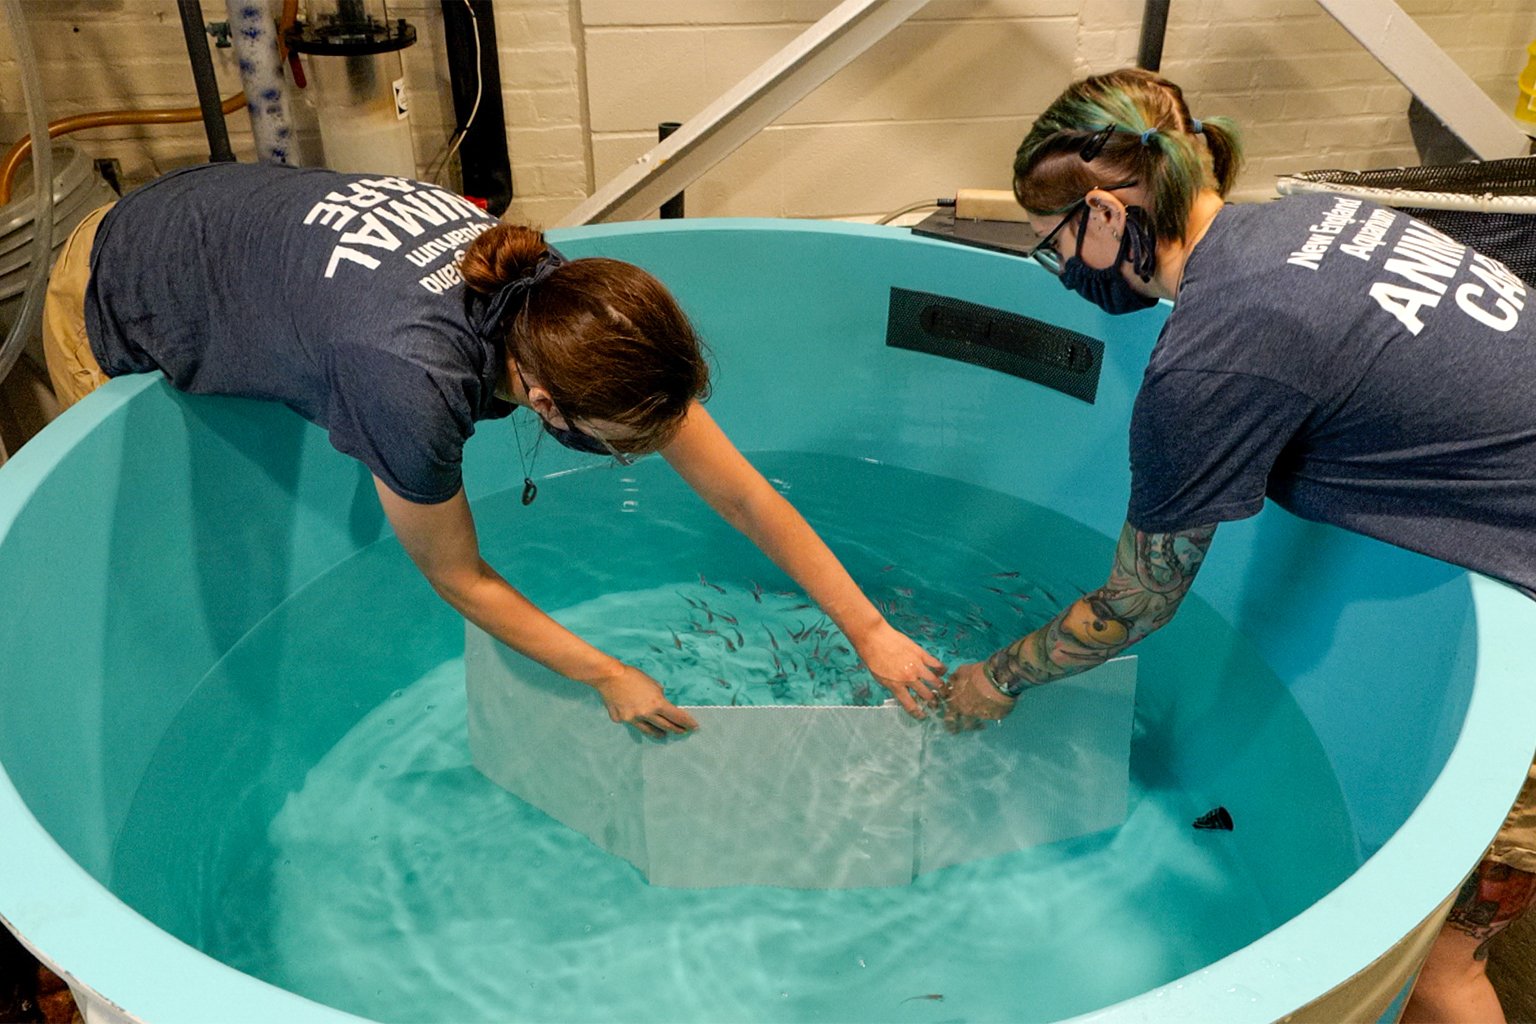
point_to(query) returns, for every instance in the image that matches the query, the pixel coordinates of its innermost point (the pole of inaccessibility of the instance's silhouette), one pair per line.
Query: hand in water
(634, 698)
(970, 700)
(900, 664)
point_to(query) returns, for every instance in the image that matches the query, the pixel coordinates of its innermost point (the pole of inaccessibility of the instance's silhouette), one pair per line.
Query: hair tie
(1195, 127)
(492, 309)
(1146, 136)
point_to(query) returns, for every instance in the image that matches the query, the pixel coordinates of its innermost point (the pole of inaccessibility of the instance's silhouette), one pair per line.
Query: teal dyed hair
(1152, 142)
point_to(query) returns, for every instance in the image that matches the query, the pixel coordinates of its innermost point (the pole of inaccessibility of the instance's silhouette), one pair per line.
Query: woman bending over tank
(397, 316)
(1343, 360)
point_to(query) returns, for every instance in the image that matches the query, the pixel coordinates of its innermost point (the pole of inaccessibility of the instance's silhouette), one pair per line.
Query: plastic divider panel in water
(824, 797)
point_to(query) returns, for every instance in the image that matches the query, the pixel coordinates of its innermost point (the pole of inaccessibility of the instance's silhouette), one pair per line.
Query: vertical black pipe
(484, 165)
(673, 207)
(207, 85)
(1154, 26)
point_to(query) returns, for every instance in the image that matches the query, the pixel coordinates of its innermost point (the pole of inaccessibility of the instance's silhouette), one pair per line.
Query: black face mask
(1107, 288)
(574, 439)
(569, 437)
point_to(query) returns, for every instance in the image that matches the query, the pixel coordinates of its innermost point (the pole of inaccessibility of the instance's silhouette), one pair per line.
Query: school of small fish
(743, 644)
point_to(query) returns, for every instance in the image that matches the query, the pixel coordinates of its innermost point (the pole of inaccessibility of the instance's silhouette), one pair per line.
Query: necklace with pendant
(527, 459)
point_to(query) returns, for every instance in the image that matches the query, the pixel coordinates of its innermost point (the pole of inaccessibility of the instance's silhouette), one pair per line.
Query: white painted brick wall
(543, 92)
(939, 104)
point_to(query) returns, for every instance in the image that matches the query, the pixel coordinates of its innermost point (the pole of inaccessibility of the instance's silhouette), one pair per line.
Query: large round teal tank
(184, 656)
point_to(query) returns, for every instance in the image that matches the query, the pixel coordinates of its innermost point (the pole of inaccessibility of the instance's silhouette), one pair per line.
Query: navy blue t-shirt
(338, 295)
(1355, 366)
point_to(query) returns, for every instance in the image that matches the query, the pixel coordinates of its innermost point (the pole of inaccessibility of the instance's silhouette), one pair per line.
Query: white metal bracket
(751, 105)
(1393, 38)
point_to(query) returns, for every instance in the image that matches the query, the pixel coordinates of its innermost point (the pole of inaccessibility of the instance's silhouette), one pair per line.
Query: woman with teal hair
(1343, 360)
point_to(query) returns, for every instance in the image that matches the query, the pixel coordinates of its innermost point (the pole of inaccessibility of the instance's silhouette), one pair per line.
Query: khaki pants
(72, 367)
(1516, 842)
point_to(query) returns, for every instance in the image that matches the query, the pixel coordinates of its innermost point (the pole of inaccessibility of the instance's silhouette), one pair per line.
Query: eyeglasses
(1044, 252)
(622, 458)
(579, 433)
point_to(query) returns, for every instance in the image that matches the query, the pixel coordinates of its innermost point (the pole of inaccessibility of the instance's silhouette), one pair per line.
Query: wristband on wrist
(986, 670)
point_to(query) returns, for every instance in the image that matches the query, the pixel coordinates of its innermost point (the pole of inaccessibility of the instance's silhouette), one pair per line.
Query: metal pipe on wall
(1154, 27)
(672, 208)
(193, 27)
(11, 162)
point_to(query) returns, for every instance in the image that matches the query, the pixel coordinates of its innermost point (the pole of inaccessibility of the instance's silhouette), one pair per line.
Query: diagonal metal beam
(750, 106)
(1394, 39)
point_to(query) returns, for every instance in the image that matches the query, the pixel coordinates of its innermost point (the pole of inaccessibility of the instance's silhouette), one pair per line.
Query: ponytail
(501, 255)
(499, 274)
(1225, 143)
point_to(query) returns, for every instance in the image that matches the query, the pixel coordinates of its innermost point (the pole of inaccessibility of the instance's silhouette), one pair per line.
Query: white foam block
(804, 797)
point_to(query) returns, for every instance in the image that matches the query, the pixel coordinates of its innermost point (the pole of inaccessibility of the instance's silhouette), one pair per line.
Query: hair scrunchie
(1195, 127)
(1146, 136)
(488, 313)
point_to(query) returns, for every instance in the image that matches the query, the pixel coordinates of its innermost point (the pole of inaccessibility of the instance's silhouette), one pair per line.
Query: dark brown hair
(603, 337)
(1143, 131)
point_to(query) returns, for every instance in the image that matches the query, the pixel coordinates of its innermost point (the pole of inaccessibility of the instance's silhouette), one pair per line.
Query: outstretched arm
(441, 540)
(705, 458)
(1151, 575)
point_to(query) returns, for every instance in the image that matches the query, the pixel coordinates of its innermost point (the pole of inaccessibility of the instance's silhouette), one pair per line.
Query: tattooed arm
(1151, 575)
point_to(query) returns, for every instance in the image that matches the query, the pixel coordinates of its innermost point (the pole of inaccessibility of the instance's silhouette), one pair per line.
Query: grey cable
(932, 203)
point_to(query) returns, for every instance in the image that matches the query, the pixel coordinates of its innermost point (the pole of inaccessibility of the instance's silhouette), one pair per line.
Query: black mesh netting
(1507, 237)
(1513, 177)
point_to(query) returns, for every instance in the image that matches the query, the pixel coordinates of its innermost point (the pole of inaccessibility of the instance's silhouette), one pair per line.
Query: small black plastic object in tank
(1215, 820)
